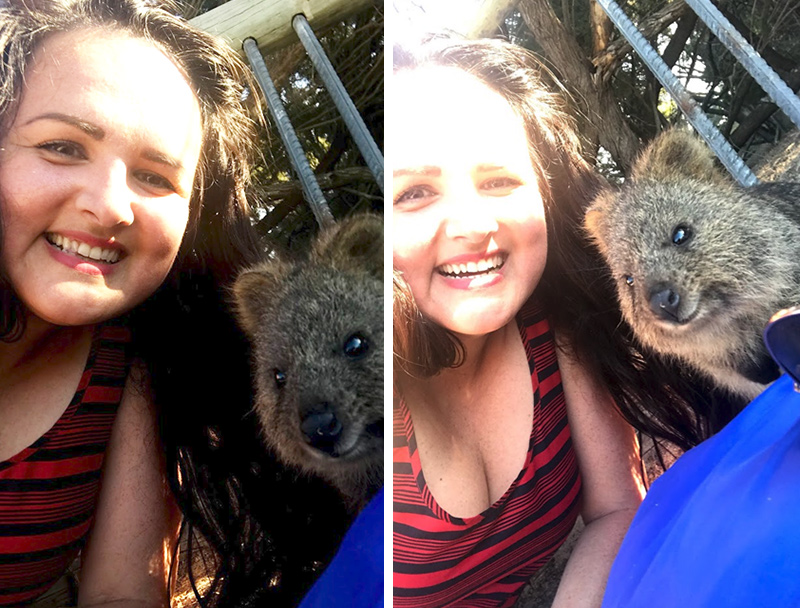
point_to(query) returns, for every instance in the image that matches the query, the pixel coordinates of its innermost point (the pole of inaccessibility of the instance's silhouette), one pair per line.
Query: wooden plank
(488, 17)
(270, 21)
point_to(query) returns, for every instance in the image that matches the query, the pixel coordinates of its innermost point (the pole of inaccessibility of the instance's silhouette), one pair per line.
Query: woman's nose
(471, 217)
(109, 199)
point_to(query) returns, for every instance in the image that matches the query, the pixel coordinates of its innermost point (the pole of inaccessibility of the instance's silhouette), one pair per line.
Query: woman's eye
(66, 149)
(501, 185)
(154, 180)
(415, 194)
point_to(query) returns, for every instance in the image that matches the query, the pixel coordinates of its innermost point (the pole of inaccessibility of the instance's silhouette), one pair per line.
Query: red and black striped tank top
(48, 492)
(484, 561)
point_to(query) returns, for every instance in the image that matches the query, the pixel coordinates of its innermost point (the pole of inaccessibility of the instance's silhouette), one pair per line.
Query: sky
(432, 15)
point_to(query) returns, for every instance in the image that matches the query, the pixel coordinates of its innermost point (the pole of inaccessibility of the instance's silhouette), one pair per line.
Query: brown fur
(302, 319)
(705, 300)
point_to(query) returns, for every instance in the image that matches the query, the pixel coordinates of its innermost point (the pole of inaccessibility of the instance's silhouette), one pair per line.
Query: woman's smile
(84, 253)
(472, 271)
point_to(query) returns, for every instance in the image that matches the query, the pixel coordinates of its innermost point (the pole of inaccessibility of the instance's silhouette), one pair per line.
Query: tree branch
(608, 62)
(761, 113)
(602, 28)
(775, 60)
(284, 197)
(603, 121)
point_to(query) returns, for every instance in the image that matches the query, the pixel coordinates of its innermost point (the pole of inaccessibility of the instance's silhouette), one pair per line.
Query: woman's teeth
(83, 249)
(487, 265)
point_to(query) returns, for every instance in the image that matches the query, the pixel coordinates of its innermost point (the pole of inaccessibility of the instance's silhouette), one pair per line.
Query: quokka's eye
(681, 234)
(629, 280)
(355, 346)
(280, 378)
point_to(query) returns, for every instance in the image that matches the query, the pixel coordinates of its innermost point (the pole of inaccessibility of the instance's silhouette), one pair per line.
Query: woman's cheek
(168, 226)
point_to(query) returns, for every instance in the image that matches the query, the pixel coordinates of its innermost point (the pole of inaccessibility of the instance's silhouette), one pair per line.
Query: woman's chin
(481, 321)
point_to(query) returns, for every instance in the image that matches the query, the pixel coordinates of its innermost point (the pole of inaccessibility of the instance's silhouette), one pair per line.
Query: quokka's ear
(595, 222)
(678, 154)
(354, 243)
(256, 291)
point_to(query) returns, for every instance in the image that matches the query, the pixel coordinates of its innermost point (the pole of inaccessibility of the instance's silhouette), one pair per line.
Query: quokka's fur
(317, 332)
(701, 263)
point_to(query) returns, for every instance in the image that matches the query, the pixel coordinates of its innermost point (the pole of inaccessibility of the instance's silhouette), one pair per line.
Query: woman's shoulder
(110, 356)
(112, 344)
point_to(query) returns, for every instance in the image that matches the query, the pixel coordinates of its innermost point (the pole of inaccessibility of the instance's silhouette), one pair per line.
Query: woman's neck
(39, 341)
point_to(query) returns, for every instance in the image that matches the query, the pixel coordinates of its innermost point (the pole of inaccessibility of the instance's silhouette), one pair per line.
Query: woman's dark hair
(655, 396)
(245, 505)
(421, 347)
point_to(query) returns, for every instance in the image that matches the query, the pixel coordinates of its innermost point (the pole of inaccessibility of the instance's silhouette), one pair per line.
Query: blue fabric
(721, 527)
(354, 579)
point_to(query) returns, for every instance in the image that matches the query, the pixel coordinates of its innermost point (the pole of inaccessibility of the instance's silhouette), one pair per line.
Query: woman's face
(96, 173)
(468, 218)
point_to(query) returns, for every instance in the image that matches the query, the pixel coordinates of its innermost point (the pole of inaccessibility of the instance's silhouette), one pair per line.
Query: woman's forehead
(115, 81)
(446, 115)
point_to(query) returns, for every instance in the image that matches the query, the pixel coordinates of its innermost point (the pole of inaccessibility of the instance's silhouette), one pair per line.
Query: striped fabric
(48, 491)
(484, 561)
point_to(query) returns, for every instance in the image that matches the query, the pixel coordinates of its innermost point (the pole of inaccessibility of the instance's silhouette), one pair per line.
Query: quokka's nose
(664, 302)
(321, 427)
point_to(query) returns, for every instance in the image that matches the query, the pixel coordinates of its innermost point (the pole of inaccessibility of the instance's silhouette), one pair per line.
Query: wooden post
(270, 21)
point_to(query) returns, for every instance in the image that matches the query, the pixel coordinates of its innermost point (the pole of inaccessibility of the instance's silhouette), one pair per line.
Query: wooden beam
(270, 21)
(487, 18)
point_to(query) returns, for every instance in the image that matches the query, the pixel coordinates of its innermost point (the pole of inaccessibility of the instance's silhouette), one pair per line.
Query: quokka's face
(320, 372)
(678, 259)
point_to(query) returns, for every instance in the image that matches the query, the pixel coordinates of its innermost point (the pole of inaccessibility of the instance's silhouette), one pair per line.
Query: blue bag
(354, 579)
(721, 528)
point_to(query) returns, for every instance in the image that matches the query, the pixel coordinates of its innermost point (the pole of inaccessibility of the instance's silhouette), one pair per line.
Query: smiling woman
(96, 176)
(506, 434)
(124, 156)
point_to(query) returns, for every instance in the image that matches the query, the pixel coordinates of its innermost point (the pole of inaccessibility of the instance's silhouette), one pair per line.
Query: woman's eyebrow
(426, 170)
(98, 133)
(161, 158)
(91, 130)
(488, 168)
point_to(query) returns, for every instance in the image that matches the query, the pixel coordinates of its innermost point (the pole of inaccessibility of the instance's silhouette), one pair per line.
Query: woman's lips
(463, 267)
(96, 253)
(84, 253)
(472, 272)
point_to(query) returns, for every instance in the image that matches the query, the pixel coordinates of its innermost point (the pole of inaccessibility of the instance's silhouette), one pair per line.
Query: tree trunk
(603, 121)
